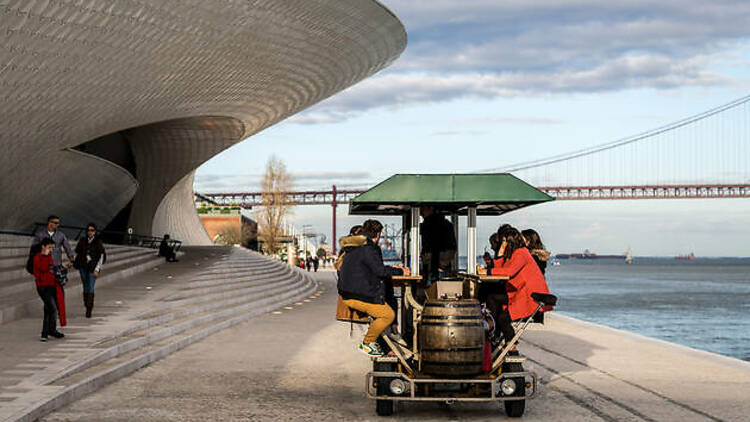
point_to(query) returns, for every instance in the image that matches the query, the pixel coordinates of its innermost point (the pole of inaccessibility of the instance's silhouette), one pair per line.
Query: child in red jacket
(44, 276)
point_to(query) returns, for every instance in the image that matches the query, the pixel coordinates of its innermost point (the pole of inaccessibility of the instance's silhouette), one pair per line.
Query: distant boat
(629, 256)
(587, 255)
(555, 263)
(689, 257)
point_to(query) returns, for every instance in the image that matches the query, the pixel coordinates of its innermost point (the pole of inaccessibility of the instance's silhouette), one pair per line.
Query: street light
(304, 239)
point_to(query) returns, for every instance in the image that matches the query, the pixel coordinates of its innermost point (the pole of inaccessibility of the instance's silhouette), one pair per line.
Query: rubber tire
(383, 407)
(515, 408)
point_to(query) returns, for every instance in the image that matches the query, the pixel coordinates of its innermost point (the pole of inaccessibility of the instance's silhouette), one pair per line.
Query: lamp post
(304, 239)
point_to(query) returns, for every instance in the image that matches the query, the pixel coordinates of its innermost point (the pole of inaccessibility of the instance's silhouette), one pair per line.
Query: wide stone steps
(136, 340)
(246, 275)
(237, 285)
(172, 324)
(18, 297)
(114, 261)
(113, 265)
(252, 268)
(15, 258)
(10, 240)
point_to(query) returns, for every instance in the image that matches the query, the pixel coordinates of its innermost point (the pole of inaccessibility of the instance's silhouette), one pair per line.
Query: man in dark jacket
(361, 285)
(438, 242)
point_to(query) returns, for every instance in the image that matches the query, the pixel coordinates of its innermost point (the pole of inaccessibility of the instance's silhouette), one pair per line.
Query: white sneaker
(371, 349)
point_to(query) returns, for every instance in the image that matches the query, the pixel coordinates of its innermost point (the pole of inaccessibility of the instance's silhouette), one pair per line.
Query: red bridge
(702, 156)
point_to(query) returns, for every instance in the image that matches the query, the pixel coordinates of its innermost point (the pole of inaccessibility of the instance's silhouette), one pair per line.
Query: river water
(703, 303)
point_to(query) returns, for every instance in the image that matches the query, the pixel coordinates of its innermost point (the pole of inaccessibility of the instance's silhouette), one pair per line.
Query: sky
(485, 84)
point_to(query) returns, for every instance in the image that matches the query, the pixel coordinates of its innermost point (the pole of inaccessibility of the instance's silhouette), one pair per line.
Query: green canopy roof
(492, 194)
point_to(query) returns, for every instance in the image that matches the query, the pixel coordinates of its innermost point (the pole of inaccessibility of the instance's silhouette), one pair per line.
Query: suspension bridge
(700, 157)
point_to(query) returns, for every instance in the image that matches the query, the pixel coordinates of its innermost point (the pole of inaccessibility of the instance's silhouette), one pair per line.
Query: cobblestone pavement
(298, 364)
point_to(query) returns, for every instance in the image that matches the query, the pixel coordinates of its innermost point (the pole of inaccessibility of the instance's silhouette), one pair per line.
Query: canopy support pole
(471, 240)
(454, 221)
(414, 241)
(405, 227)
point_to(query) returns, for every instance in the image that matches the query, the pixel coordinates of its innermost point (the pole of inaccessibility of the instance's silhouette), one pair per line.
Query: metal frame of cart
(457, 195)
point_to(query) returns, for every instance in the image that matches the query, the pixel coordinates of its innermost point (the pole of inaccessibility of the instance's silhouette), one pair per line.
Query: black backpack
(35, 249)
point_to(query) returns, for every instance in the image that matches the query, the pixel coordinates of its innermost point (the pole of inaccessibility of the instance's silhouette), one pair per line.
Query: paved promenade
(297, 363)
(138, 320)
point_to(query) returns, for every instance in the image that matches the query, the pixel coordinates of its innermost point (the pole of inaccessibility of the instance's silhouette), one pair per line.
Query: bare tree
(276, 182)
(228, 234)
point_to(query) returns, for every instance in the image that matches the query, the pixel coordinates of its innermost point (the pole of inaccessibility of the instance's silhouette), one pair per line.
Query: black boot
(89, 302)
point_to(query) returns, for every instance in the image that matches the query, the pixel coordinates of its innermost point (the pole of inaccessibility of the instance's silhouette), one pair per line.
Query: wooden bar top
(404, 280)
(492, 278)
(483, 278)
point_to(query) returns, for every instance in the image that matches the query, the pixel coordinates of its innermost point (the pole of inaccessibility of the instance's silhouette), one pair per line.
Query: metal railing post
(414, 245)
(471, 241)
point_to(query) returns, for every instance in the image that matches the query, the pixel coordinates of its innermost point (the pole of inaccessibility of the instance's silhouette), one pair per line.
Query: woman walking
(90, 256)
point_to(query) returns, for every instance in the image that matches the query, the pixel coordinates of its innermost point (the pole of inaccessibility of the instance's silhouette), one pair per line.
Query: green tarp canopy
(492, 194)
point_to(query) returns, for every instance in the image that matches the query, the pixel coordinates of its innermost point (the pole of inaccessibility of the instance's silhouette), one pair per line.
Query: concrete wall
(179, 80)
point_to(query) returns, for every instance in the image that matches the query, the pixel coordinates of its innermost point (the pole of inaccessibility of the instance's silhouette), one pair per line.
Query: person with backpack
(90, 255)
(46, 287)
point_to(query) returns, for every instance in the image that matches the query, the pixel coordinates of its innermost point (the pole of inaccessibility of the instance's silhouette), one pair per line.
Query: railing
(112, 237)
(15, 233)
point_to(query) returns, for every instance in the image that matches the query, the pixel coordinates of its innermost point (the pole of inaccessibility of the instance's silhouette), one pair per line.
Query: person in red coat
(516, 262)
(46, 287)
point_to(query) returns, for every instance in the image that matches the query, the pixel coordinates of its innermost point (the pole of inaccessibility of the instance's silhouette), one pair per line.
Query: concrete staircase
(18, 297)
(234, 288)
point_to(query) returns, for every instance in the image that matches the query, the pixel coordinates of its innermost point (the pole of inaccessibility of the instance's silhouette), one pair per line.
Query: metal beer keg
(451, 337)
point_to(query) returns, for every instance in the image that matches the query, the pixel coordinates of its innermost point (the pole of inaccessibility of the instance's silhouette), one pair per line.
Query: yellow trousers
(383, 315)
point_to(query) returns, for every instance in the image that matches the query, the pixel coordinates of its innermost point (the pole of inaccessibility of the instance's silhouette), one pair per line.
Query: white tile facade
(183, 79)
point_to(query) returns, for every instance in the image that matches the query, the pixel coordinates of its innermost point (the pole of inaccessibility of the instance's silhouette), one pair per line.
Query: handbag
(61, 275)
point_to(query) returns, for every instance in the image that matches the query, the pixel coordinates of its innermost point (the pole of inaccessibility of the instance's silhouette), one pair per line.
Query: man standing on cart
(438, 242)
(361, 285)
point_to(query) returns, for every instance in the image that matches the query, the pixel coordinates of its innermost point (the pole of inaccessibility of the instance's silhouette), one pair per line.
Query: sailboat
(629, 256)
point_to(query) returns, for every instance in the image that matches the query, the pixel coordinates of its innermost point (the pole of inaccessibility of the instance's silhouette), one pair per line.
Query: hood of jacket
(542, 254)
(352, 241)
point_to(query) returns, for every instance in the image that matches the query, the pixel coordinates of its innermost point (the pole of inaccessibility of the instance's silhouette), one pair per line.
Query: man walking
(59, 240)
(361, 285)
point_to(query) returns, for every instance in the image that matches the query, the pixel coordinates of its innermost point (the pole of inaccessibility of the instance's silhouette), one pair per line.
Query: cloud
(458, 132)
(317, 118)
(487, 49)
(592, 231)
(519, 120)
(331, 175)
(633, 71)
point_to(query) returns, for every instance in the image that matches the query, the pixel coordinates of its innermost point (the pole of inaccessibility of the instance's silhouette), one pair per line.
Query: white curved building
(108, 107)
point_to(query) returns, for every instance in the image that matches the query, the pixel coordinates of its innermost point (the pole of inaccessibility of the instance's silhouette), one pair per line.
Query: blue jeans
(88, 279)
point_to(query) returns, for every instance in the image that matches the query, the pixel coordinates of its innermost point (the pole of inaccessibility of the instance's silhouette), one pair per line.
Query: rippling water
(703, 304)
